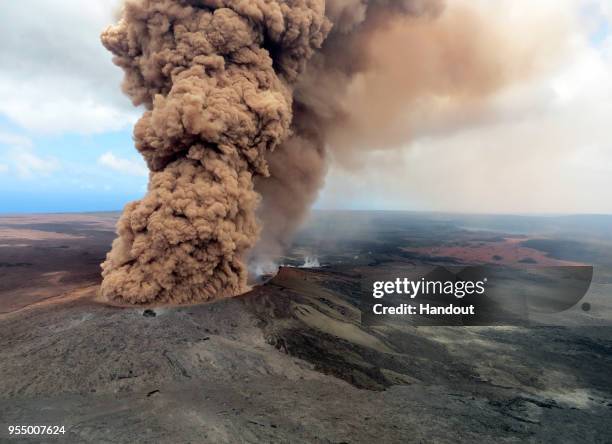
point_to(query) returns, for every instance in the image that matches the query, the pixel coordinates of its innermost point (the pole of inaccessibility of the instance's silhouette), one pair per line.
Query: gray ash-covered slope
(290, 362)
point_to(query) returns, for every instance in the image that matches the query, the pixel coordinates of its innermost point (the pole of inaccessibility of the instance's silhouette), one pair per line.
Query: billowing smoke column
(244, 99)
(216, 78)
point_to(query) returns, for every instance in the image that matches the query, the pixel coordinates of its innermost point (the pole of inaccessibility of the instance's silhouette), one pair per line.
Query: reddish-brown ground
(510, 251)
(44, 257)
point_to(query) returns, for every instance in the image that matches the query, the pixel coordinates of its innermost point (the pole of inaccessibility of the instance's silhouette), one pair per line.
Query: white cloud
(14, 140)
(121, 165)
(55, 76)
(606, 9)
(28, 165)
(20, 157)
(55, 114)
(544, 147)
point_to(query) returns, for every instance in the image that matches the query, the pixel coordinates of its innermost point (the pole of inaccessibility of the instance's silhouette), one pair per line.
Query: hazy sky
(543, 146)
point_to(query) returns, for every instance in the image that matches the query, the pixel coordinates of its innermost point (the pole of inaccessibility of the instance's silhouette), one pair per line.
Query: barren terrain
(288, 362)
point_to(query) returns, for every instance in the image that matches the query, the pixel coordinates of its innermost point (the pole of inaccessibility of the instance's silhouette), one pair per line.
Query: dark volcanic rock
(290, 362)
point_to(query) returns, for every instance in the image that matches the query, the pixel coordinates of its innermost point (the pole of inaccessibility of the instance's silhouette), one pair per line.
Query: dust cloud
(387, 72)
(248, 102)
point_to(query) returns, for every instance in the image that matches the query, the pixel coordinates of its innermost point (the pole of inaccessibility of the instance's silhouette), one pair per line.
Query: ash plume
(299, 166)
(247, 101)
(388, 72)
(215, 76)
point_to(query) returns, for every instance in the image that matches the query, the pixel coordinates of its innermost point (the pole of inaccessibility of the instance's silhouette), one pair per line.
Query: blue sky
(545, 146)
(68, 171)
(65, 127)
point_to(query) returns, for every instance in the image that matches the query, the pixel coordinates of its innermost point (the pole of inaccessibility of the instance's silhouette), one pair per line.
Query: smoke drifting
(250, 98)
(298, 168)
(387, 71)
